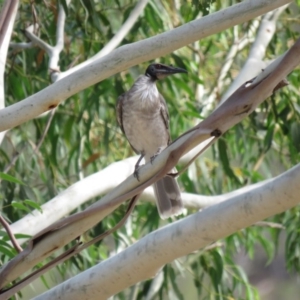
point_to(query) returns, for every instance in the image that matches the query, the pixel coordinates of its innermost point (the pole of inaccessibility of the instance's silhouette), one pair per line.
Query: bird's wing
(165, 114)
(120, 112)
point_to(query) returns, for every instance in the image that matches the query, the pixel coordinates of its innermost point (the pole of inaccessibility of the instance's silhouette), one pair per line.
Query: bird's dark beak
(160, 71)
(169, 70)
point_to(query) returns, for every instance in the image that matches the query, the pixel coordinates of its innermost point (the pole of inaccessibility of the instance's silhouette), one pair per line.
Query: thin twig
(269, 224)
(213, 246)
(52, 113)
(13, 160)
(10, 234)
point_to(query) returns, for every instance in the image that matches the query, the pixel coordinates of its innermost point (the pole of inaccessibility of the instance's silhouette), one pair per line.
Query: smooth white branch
(89, 188)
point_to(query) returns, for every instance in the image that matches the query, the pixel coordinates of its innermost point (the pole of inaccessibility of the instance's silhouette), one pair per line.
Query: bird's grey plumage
(143, 116)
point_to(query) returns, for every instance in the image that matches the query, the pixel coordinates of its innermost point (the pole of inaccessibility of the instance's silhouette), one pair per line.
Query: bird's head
(160, 71)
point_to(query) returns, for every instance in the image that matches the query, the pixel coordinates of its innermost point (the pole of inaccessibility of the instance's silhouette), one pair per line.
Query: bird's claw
(136, 174)
(136, 167)
(152, 158)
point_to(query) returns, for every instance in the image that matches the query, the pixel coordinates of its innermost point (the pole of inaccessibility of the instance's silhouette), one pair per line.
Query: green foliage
(83, 137)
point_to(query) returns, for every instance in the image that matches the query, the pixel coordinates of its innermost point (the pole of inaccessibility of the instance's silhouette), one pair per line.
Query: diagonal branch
(10, 234)
(89, 187)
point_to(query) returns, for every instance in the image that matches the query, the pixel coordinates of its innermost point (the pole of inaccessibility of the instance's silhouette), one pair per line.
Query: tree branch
(7, 19)
(88, 188)
(10, 234)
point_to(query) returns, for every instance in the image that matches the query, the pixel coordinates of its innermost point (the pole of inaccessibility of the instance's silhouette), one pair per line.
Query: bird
(143, 116)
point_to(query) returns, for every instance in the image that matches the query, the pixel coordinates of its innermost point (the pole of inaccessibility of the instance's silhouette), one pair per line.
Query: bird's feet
(136, 167)
(136, 174)
(154, 156)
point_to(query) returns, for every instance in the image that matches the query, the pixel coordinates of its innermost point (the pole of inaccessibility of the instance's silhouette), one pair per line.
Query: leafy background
(83, 138)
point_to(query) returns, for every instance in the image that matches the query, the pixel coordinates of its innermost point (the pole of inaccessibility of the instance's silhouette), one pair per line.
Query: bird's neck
(145, 91)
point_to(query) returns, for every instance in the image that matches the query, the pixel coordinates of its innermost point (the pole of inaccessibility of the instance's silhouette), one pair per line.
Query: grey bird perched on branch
(143, 116)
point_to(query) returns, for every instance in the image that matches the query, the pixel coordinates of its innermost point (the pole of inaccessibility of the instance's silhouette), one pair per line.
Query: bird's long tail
(168, 197)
